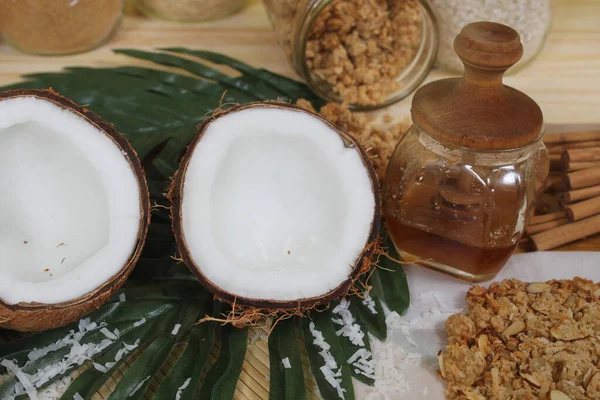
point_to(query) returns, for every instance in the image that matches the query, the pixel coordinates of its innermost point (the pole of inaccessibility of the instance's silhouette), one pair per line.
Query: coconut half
(274, 207)
(74, 210)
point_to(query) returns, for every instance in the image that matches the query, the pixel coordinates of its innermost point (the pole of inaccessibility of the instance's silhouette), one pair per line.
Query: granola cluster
(378, 142)
(360, 47)
(525, 341)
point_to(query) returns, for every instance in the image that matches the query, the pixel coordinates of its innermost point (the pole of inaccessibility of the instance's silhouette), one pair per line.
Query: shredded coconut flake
(256, 336)
(76, 353)
(350, 328)
(182, 388)
(361, 360)
(100, 367)
(130, 347)
(84, 327)
(330, 370)
(363, 363)
(126, 349)
(392, 364)
(369, 302)
(108, 334)
(286, 363)
(55, 390)
(23, 378)
(175, 329)
(412, 342)
(140, 322)
(139, 385)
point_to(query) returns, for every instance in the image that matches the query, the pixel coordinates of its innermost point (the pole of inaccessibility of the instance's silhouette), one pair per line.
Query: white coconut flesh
(275, 206)
(69, 204)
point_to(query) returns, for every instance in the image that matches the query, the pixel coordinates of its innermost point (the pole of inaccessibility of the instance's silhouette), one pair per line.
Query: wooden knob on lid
(477, 110)
(487, 50)
(488, 46)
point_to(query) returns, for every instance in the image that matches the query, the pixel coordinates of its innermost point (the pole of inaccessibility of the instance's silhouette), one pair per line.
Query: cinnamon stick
(583, 209)
(583, 178)
(581, 194)
(558, 148)
(556, 162)
(567, 137)
(576, 166)
(556, 183)
(556, 237)
(540, 219)
(581, 155)
(537, 228)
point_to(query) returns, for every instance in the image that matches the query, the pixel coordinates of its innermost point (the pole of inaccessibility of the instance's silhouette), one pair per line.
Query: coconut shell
(37, 316)
(176, 196)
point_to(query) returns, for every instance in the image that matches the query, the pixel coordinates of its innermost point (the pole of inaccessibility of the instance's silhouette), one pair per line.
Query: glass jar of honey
(462, 182)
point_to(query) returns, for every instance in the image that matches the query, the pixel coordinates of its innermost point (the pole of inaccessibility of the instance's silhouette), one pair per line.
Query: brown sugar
(360, 47)
(58, 26)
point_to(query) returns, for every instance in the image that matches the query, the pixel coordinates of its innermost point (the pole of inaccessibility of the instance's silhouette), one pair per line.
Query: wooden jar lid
(478, 111)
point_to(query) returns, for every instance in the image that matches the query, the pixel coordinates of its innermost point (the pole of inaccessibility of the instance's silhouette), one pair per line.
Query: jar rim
(493, 157)
(412, 74)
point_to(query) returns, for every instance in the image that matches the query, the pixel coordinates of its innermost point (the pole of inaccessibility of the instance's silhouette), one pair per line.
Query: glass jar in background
(190, 10)
(461, 184)
(362, 53)
(531, 18)
(58, 27)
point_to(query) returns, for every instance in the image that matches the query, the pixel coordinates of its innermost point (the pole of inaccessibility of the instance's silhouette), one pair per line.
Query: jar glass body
(293, 21)
(190, 10)
(456, 209)
(532, 19)
(59, 27)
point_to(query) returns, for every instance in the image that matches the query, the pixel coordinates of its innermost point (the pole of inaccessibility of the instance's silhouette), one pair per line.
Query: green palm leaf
(286, 380)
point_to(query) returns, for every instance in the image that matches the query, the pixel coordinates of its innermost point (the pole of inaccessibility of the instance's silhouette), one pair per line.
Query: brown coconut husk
(39, 316)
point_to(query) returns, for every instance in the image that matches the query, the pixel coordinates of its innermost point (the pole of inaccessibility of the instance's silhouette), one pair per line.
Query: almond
(588, 376)
(473, 396)
(531, 379)
(593, 386)
(440, 357)
(482, 342)
(558, 395)
(538, 287)
(567, 332)
(514, 328)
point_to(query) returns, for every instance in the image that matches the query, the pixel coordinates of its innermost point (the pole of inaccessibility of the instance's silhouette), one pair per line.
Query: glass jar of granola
(364, 53)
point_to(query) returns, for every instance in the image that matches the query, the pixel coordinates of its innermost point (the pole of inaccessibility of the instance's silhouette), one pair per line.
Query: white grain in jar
(189, 10)
(531, 18)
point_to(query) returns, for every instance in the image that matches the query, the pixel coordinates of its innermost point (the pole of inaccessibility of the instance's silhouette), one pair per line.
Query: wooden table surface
(564, 79)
